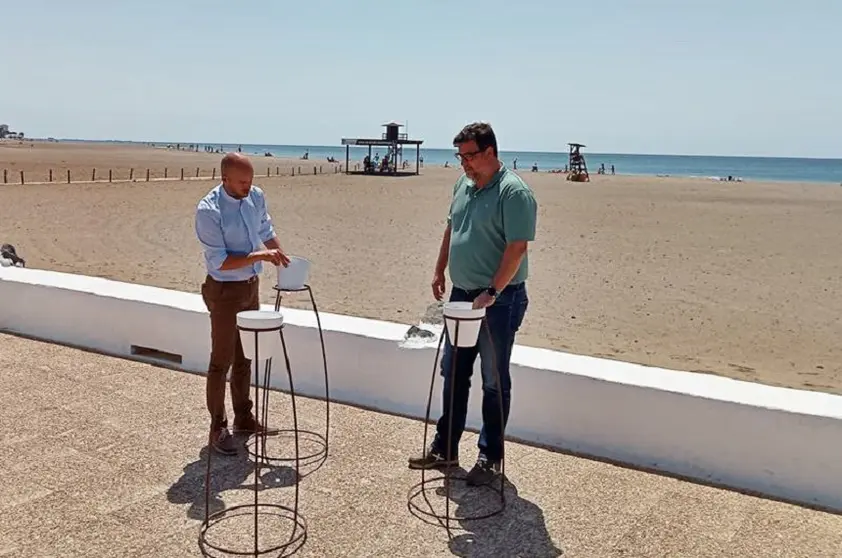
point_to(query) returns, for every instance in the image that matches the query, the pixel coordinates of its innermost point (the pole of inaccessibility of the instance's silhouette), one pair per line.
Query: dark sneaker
(250, 425)
(432, 459)
(483, 472)
(222, 441)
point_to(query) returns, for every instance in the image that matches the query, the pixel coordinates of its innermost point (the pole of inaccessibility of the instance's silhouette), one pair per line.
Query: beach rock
(8, 253)
(418, 333)
(433, 314)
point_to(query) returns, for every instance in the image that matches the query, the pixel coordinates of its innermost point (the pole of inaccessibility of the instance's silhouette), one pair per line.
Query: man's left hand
(484, 300)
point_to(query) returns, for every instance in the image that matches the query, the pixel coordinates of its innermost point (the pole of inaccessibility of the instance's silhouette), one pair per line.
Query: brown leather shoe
(250, 425)
(222, 441)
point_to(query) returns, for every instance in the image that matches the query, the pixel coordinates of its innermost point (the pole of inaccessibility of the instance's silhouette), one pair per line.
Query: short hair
(481, 133)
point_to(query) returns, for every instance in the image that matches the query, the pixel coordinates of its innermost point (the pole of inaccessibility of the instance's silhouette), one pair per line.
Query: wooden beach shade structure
(578, 168)
(393, 140)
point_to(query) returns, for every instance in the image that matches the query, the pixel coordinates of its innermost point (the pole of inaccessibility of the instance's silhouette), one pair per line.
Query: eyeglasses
(467, 156)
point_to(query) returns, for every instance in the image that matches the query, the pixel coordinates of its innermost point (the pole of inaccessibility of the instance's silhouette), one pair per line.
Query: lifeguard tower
(393, 140)
(578, 168)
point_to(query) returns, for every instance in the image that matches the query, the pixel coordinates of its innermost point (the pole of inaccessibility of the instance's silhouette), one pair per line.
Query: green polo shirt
(482, 222)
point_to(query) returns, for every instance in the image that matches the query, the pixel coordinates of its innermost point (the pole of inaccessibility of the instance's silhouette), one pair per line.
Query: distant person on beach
(237, 236)
(492, 219)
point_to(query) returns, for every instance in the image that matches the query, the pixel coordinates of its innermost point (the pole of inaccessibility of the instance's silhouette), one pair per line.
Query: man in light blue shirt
(236, 233)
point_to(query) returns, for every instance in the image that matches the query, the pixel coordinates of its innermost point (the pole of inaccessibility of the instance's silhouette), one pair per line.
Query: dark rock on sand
(419, 333)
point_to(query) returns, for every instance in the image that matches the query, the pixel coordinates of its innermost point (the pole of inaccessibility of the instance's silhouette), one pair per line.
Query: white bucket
(294, 276)
(469, 322)
(268, 335)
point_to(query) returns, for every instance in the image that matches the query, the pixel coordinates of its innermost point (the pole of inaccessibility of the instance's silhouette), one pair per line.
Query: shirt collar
(493, 183)
(228, 198)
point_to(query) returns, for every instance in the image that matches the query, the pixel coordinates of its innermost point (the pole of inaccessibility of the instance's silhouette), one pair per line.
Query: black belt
(509, 287)
(251, 279)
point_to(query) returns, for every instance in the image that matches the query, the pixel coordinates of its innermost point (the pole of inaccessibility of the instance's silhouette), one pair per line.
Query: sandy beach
(91, 162)
(735, 279)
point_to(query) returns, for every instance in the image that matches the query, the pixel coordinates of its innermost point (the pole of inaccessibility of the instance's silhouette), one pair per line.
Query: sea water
(746, 168)
(701, 166)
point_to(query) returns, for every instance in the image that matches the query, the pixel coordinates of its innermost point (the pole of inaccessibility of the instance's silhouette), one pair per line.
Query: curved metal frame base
(296, 540)
(318, 458)
(446, 477)
(421, 488)
(261, 411)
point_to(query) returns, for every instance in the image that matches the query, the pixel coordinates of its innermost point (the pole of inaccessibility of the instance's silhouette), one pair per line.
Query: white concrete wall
(781, 442)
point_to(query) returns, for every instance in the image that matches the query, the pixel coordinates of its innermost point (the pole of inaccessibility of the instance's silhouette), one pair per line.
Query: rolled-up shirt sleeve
(209, 233)
(267, 228)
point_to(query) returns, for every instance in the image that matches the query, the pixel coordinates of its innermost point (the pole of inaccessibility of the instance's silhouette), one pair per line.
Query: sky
(706, 77)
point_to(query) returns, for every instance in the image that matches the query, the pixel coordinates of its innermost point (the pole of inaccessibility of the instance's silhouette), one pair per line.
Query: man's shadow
(518, 531)
(228, 472)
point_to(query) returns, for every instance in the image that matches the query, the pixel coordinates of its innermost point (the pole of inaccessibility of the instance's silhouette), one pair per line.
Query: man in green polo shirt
(492, 219)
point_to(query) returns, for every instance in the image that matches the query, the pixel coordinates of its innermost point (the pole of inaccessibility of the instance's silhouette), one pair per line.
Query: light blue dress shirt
(226, 225)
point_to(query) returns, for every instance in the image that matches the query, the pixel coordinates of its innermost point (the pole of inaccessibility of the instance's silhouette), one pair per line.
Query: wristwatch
(492, 292)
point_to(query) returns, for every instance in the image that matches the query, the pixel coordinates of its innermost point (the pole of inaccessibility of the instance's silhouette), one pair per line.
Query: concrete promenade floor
(105, 457)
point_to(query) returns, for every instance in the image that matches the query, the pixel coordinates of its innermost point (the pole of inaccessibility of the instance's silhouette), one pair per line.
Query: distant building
(5, 133)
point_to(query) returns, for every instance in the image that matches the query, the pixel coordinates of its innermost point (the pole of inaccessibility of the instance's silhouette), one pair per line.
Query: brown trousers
(224, 300)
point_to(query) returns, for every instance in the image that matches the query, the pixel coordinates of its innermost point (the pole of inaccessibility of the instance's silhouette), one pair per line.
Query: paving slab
(104, 457)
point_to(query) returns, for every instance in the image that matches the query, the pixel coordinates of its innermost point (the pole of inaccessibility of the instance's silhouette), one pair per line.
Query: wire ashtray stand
(313, 460)
(266, 327)
(446, 476)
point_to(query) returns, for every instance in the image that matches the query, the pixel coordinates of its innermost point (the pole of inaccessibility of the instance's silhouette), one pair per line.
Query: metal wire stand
(298, 536)
(447, 477)
(315, 459)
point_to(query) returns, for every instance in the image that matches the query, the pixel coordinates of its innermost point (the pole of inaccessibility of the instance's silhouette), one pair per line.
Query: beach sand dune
(740, 280)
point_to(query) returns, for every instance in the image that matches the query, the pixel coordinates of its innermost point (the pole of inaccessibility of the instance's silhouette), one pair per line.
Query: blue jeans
(503, 319)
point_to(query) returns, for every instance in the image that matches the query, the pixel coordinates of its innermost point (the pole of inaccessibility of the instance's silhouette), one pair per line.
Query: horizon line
(530, 151)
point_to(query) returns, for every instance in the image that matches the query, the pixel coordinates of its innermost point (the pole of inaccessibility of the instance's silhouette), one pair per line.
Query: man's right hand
(438, 285)
(274, 256)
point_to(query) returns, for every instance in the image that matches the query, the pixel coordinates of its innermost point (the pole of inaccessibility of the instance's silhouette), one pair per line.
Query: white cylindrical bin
(264, 324)
(470, 321)
(294, 276)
